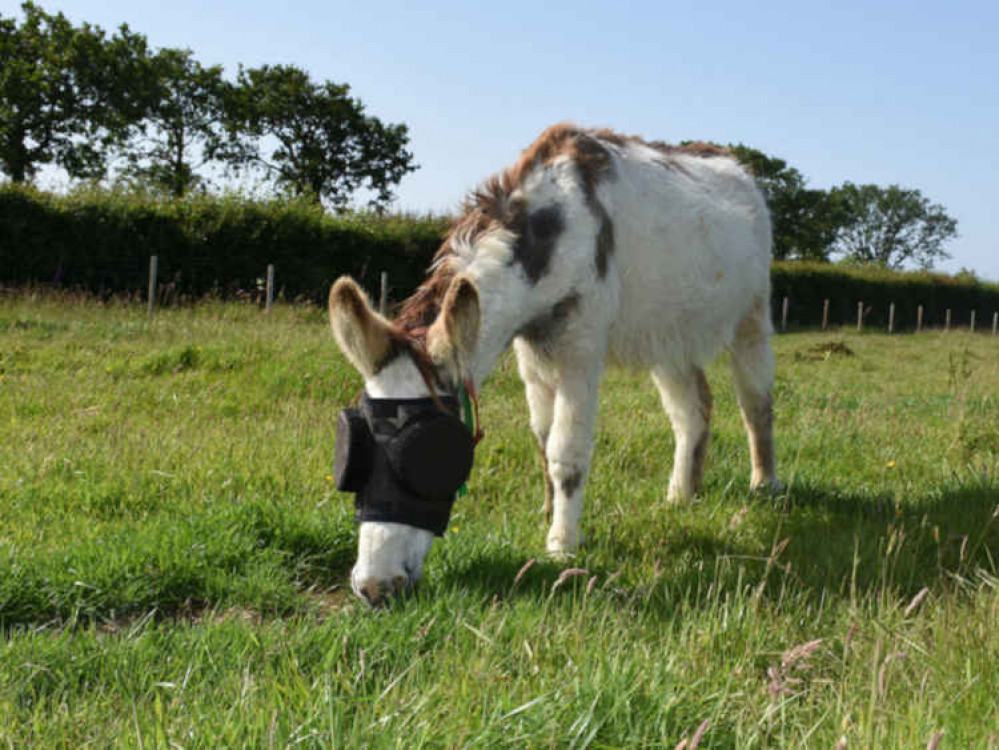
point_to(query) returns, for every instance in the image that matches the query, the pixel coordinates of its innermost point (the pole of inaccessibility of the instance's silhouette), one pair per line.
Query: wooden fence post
(783, 315)
(383, 300)
(947, 321)
(995, 322)
(270, 288)
(860, 316)
(972, 326)
(153, 268)
(891, 318)
(825, 314)
(919, 319)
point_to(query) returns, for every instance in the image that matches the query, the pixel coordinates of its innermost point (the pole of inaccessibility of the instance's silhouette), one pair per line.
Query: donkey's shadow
(821, 541)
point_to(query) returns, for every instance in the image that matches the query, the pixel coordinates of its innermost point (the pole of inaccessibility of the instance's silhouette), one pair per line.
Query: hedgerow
(100, 241)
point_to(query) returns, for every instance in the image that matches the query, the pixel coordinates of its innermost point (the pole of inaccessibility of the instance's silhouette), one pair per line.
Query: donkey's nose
(377, 593)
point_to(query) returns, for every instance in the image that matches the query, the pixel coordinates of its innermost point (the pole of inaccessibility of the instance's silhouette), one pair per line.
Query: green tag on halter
(469, 419)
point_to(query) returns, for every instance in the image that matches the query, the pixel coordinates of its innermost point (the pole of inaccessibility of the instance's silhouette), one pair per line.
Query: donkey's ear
(452, 338)
(363, 334)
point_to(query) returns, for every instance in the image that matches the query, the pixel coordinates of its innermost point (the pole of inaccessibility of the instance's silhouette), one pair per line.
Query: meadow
(174, 557)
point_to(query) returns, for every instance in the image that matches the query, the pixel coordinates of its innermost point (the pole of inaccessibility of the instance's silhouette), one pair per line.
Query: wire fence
(890, 322)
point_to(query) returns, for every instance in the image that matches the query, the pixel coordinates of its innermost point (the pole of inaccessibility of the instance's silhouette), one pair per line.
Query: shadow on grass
(852, 542)
(820, 542)
(258, 559)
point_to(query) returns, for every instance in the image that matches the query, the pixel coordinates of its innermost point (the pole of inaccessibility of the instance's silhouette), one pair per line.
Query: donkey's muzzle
(378, 593)
(404, 459)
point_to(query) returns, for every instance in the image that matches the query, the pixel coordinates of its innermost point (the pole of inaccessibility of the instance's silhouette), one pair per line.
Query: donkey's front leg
(569, 447)
(541, 404)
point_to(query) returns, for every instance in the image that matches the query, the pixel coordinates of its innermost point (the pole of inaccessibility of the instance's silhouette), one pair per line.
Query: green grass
(173, 558)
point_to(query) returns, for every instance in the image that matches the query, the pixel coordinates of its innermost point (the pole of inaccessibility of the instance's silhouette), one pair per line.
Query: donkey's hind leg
(753, 373)
(687, 400)
(541, 404)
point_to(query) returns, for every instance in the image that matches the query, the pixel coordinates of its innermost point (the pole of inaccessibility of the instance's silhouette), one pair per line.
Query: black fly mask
(404, 459)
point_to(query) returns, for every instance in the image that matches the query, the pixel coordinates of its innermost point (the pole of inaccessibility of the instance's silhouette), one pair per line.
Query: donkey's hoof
(768, 487)
(561, 551)
(676, 497)
(561, 556)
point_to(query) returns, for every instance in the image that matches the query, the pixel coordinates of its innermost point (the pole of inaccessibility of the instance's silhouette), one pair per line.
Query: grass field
(173, 558)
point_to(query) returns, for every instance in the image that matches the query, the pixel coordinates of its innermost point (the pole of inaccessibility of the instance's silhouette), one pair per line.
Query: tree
(311, 138)
(892, 226)
(805, 221)
(67, 93)
(182, 125)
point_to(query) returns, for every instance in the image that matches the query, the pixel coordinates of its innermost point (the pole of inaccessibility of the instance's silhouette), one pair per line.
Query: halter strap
(470, 408)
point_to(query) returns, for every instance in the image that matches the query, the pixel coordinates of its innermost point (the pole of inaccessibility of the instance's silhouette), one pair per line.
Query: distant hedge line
(101, 241)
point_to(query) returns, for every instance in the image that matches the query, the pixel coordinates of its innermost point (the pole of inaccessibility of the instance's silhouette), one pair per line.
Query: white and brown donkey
(592, 247)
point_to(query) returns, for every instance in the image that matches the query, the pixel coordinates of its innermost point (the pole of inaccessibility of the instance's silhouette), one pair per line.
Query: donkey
(592, 248)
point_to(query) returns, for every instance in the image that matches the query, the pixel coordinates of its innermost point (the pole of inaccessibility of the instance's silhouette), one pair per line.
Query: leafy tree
(892, 226)
(182, 125)
(66, 93)
(805, 221)
(311, 138)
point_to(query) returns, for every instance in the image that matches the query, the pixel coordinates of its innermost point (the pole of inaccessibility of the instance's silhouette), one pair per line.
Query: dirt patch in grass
(329, 602)
(321, 603)
(195, 613)
(824, 351)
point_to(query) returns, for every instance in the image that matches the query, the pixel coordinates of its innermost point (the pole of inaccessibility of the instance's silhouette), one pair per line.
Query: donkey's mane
(489, 206)
(420, 310)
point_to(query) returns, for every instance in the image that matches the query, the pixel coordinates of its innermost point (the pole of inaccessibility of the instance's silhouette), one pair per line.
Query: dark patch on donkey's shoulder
(545, 329)
(537, 236)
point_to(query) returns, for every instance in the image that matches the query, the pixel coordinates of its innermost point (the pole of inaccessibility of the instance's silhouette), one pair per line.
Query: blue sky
(881, 92)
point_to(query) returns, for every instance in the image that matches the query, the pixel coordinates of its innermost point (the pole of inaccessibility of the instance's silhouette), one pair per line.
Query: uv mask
(404, 459)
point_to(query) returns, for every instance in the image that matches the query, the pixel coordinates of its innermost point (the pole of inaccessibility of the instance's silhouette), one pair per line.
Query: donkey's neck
(510, 306)
(506, 310)
(491, 345)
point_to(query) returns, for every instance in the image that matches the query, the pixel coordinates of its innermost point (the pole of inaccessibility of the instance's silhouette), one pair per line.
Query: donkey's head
(404, 451)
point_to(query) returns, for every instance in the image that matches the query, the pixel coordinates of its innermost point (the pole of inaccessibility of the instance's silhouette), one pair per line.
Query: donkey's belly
(684, 309)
